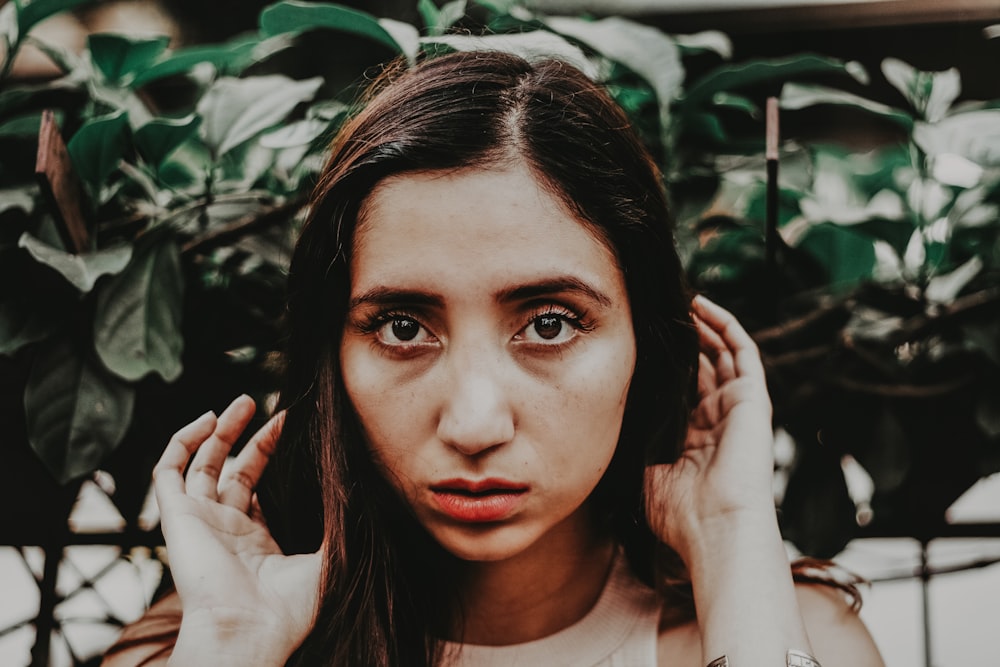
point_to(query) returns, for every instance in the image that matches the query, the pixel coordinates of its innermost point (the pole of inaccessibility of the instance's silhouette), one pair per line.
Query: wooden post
(771, 240)
(57, 179)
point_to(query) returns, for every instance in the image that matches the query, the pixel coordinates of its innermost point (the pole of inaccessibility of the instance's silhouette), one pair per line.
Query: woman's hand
(715, 506)
(243, 600)
(725, 470)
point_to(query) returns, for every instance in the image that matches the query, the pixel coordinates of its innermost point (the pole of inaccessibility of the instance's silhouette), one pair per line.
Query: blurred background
(155, 158)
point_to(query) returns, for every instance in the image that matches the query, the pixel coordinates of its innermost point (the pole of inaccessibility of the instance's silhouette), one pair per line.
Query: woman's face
(487, 351)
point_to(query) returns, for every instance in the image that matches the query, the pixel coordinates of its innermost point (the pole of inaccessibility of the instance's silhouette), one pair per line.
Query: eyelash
(581, 323)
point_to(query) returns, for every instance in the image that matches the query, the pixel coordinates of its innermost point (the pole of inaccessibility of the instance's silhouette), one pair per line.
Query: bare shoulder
(838, 636)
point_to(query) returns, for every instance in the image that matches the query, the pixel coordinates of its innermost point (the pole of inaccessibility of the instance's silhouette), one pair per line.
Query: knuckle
(239, 478)
(207, 469)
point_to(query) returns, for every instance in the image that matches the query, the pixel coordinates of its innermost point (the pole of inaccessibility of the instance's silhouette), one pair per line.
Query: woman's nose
(477, 414)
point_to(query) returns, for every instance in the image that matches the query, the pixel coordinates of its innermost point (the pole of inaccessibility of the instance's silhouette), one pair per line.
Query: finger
(236, 487)
(746, 357)
(707, 382)
(168, 475)
(203, 476)
(717, 351)
(255, 512)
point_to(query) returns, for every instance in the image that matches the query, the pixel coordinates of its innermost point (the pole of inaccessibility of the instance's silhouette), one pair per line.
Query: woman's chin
(484, 543)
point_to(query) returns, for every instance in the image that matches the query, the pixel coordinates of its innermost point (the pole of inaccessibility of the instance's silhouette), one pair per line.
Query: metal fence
(81, 578)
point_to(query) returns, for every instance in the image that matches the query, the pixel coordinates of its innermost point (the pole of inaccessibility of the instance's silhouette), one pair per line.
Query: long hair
(385, 594)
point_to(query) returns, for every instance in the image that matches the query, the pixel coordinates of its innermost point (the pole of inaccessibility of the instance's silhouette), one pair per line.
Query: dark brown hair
(385, 593)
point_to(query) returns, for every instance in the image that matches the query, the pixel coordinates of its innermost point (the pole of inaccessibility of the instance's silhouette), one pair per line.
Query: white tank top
(620, 631)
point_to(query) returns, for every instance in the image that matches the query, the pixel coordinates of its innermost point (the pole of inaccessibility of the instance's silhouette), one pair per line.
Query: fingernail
(208, 415)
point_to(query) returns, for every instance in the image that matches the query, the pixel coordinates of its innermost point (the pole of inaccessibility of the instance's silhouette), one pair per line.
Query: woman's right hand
(244, 601)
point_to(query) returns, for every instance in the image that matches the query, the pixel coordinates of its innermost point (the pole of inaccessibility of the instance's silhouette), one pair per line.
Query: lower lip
(479, 509)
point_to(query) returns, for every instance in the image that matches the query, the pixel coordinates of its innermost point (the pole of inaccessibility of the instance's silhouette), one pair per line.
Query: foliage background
(878, 319)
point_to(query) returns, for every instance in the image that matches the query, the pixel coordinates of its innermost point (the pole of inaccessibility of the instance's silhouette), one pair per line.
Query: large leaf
(97, 147)
(82, 271)
(929, 93)
(974, 135)
(800, 96)
(438, 21)
(21, 127)
(119, 57)
(532, 45)
(137, 324)
(645, 50)
(76, 412)
(235, 110)
(35, 11)
(847, 256)
(755, 72)
(292, 16)
(158, 138)
(712, 41)
(231, 57)
(20, 326)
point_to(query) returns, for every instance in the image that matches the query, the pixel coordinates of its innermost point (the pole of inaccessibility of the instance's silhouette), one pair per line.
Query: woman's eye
(549, 328)
(401, 330)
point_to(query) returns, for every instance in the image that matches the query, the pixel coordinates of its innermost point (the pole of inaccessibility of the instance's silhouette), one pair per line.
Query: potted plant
(881, 341)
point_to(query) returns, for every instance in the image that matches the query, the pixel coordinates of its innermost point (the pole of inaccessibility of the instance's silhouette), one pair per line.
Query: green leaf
(708, 127)
(755, 72)
(406, 36)
(22, 126)
(801, 96)
(737, 103)
(438, 21)
(531, 45)
(65, 58)
(236, 110)
(9, 34)
(35, 11)
(299, 133)
(232, 57)
(974, 135)
(17, 197)
(292, 16)
(82, 271)
(159, 138)
(930, 94)
(944, 288)
(137, 324)
(429, 14)
(76, 412)
(847, 256)
(20, 326)
(119, 57)
(97, 147)
(707, 41)
(648, 52)
(988, 411)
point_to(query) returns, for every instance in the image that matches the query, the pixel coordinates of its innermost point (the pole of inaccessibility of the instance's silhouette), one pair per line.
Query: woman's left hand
(725, 470)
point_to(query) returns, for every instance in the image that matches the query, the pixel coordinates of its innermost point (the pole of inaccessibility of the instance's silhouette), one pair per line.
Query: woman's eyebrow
(551, 286)
(389, 296)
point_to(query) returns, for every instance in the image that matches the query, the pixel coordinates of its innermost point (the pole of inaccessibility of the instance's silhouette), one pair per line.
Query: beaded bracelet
(792, 659)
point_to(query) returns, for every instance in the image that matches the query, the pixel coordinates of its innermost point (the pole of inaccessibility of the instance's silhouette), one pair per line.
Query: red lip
(479, 501)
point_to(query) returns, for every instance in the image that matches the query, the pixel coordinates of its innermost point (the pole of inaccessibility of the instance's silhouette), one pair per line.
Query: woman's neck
(546, 588)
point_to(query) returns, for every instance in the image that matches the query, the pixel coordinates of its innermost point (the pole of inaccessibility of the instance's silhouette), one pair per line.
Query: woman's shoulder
(838, 636)
(837, 633)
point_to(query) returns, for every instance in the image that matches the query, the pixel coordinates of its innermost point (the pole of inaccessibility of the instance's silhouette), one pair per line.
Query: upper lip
(478, 486)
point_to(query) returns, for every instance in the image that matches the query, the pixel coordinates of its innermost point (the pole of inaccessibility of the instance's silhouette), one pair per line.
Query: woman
(485, 454)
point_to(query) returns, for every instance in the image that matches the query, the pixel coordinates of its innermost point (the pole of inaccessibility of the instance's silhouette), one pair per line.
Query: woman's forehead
(471, 224)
